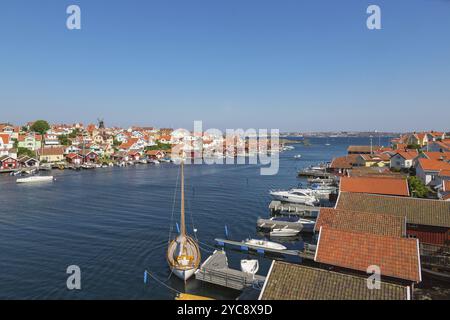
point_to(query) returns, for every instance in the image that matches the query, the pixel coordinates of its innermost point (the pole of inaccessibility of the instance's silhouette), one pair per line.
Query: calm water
(114, 223)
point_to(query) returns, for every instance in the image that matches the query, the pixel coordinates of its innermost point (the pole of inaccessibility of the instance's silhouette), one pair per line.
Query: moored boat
(265, 244)
(249, 266)
(183, 253)
(35, 179)
(295, 196)
(284, 232)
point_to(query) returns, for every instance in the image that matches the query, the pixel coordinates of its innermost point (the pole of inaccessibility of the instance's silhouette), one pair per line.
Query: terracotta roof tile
(288, 281)
(347, 220)
(396, 257)
(433, 165)
(437, 155)
(417, 211)
(387, 186)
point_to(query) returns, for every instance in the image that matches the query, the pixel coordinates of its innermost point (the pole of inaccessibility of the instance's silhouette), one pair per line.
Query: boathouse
(354, 221)
(427, 220)
(374, 185)
(397, 258)
(288, 281)
(7, 163)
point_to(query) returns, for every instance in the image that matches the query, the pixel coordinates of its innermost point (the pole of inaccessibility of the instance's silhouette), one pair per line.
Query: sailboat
(183, 253)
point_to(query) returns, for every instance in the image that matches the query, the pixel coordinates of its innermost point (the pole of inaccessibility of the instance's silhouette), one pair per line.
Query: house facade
(8, 163)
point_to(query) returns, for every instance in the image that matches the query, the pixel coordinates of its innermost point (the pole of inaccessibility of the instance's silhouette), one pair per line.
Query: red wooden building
(426, 220)
(8, 163)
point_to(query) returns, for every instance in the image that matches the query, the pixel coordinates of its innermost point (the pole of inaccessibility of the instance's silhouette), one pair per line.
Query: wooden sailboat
(183, 253)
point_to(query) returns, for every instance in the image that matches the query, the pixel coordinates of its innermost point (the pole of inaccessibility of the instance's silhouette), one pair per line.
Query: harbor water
(114, 224)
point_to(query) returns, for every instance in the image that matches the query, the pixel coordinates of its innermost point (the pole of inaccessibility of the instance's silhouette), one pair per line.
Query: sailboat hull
(183, 274)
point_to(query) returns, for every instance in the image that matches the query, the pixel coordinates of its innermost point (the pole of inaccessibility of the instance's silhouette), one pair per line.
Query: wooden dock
(278, 207)
(315, 174)
(215, 270)
(306, 254)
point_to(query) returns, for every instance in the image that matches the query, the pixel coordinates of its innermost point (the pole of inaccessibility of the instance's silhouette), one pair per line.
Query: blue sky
(287, 64)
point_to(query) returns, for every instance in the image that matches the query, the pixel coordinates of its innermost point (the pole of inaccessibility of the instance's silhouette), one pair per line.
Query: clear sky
(288, 64)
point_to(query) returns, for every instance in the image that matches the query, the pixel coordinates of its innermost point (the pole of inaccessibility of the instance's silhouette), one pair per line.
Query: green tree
(64, 140)
(25, 152)
(41, 127)
(417, 188)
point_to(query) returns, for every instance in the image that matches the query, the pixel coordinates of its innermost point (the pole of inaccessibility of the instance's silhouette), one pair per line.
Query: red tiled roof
(408, 155)
(4, 137)
(129, 143)
(355, 221)
(51, 151)
(444, 173)
(434, 165)
(386, 186)
(396, 257)
(437, 155)
(154, 152)
(345, 162)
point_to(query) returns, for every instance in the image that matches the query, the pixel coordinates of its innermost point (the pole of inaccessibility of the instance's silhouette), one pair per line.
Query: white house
(5, 144)
(403, 160)
(428, 171)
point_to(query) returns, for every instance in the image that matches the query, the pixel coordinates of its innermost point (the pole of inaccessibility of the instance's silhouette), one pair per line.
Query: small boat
(155, 161)
(300, 196)
(249, 266)
(35, 179)
(186, 296)
(284, 232)
(298, 156)
(143, 161)
(265, 244)
(16, 173)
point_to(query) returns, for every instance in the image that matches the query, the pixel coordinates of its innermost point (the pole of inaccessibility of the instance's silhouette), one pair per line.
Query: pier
(278, 207)
(215, 270)
(315, 174)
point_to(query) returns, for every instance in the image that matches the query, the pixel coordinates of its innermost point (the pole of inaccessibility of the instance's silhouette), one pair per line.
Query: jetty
(281, 208)
(315, 174)
(215, 270)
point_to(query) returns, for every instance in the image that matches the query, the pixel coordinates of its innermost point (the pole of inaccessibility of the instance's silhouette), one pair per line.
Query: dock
(278, 207)
(315, 174)
(306, 254)
(215, 270)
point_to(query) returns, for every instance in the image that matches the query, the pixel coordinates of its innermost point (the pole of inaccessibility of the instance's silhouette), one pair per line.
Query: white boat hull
(183, 274)
(35, 179)
(284, 232)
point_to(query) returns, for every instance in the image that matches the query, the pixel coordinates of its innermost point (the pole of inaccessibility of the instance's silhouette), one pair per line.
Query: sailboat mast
(182, 222)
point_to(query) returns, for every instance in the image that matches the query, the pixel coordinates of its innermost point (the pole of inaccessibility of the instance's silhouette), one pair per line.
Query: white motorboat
(143, 161)
(35, 179)
(155, 162)
(295, 196)
(265, 244)
(249, 266)
(284, 232)
(298, 156)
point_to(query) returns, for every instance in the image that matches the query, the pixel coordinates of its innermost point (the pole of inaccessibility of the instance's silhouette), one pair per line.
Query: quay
(215, 270)
(307, 253)
(278, 207)
(315, 174)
